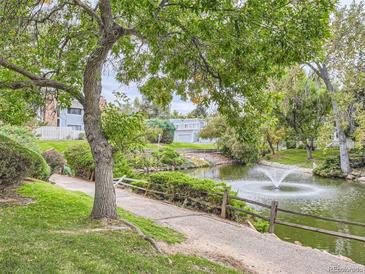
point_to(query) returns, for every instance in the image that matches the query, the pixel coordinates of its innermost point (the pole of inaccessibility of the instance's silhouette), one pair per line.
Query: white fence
(58, 133)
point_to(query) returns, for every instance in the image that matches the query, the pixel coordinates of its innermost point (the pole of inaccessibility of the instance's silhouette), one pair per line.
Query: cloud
(110, 84)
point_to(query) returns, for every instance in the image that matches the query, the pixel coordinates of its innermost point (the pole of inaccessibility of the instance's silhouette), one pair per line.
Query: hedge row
(179, 186)
(18, 161)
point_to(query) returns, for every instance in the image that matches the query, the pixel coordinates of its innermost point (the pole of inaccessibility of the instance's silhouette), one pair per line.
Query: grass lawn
(53, 234)
(298, 157)
(62, 145)
(59, 145)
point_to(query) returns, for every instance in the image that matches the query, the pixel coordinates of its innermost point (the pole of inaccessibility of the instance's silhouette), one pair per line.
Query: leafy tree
(215, 128)
(168, 129)
(18, 108)
(229, 141)
(218, 50)
(125, 131)
(199, 112)
(304, 106)
(342, 66)
(150, 109)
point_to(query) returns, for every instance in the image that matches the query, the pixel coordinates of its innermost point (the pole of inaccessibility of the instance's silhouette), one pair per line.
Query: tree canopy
(212, 51)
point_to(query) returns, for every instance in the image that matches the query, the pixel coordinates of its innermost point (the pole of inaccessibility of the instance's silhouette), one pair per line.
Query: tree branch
(316, 70)
(106, 14)
(35, 80)
(89, 11)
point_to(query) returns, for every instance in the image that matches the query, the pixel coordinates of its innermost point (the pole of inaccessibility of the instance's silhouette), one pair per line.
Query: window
(76, 111)
(75, 127)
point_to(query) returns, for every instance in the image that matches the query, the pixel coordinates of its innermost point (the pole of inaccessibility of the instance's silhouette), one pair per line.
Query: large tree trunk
(344, 156)
(105, 200)
(271, 146)
(309, 152)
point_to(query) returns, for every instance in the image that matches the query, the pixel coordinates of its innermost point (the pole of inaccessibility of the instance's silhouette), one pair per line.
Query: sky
(110, 85)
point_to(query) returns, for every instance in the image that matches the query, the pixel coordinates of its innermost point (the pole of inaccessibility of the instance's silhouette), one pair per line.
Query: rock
(361, 180)
(298, 243)
(356, 173)
(350, 177)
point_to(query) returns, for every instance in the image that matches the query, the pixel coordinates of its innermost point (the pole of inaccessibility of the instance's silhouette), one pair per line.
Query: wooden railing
(274, 209)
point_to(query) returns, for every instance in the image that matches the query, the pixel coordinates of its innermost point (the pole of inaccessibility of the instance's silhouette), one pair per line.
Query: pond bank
(278, 165)
(197, 159)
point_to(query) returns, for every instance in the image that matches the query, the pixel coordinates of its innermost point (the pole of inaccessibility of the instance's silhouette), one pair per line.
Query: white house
(187, 130)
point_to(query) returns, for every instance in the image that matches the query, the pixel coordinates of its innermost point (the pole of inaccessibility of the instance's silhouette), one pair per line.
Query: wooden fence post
(224, 204)
(273, 214)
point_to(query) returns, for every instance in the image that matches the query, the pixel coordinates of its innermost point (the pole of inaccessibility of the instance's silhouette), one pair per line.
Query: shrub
(81, 136)
(20, 135)
(80, 159)
(331, 166)
(142, 161)
(231, 146)
(168, 129)
(169, 156)
(18, 162)
(55, 160)
(122, 166)
(186, 190)
(152, 133)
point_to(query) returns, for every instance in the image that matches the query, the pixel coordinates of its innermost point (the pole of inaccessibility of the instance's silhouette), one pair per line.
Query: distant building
(187, 130)
(62, 123)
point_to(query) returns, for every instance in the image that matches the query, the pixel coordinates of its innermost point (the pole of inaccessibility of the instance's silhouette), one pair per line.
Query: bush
(152, 133)
(168, 129)
(20, 135)
(169, 156)
(331, 167)
(81, 136)
(231, 146)
(55, 160)
(121, 166)
(18, 162)
(180, 186)
(142, 161)
(81, 161)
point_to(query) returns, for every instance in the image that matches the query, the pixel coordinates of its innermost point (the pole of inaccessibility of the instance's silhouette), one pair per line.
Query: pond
(302, 193)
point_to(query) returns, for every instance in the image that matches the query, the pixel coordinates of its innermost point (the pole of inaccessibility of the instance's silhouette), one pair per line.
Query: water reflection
(304, 193)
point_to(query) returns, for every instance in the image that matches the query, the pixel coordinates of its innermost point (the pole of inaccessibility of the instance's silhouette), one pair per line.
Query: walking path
(212, 237)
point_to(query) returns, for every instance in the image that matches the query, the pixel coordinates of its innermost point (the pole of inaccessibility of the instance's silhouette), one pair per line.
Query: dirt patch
(9, 197)
(92, 230)
(187, 249)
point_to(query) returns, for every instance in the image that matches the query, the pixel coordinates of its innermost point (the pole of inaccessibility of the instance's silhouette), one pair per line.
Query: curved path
(223, 240)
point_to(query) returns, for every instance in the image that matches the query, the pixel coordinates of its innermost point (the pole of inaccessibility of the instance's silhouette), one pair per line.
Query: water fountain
(276, 175)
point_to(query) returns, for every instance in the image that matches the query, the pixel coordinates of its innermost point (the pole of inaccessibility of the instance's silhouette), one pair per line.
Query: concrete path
(223, 240)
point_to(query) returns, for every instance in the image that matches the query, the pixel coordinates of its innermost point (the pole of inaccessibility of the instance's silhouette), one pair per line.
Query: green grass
(49, 236)
(298, 157)
(60, 145)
